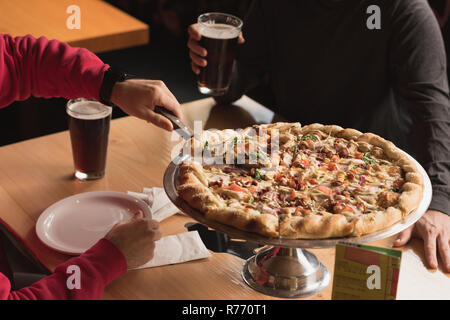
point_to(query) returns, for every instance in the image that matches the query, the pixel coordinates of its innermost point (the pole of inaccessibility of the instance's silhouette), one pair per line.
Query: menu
(365, 273)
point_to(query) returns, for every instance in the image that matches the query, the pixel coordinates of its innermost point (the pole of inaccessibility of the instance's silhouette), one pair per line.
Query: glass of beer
(89, 130)
(220, 34)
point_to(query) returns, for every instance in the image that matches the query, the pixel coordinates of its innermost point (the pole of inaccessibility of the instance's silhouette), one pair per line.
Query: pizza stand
(283, 268)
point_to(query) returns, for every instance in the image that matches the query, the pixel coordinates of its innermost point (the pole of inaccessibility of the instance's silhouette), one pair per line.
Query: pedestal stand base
(286, 273)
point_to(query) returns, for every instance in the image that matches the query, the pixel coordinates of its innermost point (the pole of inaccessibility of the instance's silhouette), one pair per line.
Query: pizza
(284, 180)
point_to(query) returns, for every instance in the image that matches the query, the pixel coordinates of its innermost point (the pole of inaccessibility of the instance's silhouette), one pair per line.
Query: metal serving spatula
(182, 129)
(187, 133)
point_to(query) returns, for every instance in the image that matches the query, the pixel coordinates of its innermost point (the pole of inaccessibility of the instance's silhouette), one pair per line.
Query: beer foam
(219, 31)
(88, 110)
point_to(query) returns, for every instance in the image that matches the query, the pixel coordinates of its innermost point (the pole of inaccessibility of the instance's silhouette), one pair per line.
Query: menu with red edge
(365, 272)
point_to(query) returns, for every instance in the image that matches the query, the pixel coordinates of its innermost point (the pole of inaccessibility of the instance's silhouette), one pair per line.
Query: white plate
(72, 225)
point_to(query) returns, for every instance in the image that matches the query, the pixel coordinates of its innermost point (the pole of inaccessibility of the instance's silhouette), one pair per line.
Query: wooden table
(36, 173)
(103, 27)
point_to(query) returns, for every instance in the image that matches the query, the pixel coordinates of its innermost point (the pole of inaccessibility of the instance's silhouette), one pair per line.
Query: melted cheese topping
(314, 174)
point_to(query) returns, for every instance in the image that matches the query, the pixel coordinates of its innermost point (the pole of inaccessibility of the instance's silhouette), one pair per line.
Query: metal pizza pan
(170, 187)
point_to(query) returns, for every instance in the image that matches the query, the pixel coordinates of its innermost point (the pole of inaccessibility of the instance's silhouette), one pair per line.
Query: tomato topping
(301, 183)
(252, 189)
(278, 177)
(332, 166)
(241, 179)
(305, 163)
(335, 158)
(348, 209)
(293, 195)
(359, 155)
(324, 189)
(235, 187)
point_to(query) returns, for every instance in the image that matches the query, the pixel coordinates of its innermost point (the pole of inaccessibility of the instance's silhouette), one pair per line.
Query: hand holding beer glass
(212, 44)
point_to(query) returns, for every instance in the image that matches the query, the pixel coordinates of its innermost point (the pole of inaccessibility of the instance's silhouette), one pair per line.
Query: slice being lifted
(315, 182)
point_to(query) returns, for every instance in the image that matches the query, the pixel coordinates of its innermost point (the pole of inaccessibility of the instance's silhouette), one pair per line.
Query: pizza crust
(247, 220)
(193, 188)
(316, 227)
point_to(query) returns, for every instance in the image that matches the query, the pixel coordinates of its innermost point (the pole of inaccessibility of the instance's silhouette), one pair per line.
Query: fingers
(138, 215)
(196, 48)
(153, 227)
(195, 68)
(165, 98)
(403, 237)
(430, 249)
(241, 39)
(160, 95)
(196, 52)
(159, 120)
(153, 224)
(194, 32)
(150, 228)
(197, 59)
(444, 251)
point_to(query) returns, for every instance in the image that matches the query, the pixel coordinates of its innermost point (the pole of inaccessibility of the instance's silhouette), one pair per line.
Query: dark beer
(219, 37)
(89, 130)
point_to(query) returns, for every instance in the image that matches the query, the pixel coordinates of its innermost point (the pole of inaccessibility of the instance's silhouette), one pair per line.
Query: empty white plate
(72, 225)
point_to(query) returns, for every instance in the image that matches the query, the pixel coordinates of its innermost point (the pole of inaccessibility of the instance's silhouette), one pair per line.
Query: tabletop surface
(36, 173)
(103, 27)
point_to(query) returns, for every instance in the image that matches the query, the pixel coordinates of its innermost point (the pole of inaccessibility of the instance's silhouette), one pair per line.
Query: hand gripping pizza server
(282, 267)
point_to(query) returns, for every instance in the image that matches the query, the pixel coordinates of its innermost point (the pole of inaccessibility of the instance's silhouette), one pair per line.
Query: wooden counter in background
(103, 27)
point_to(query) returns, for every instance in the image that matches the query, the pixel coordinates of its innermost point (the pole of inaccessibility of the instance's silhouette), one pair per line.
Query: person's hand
(434, 229)
(138, 97)
(197, 52)
(135, 238)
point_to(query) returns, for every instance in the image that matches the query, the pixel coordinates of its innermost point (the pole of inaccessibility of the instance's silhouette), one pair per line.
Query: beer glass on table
(220, 34)
(89, 130)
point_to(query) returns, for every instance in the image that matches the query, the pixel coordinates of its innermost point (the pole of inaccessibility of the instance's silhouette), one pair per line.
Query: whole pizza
(283, 180)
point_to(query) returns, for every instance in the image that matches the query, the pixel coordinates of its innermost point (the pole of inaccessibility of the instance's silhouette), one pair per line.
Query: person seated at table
(43, 68)
(376, 66)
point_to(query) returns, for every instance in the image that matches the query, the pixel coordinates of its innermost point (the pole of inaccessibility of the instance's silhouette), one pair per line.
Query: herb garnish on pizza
(288, 181)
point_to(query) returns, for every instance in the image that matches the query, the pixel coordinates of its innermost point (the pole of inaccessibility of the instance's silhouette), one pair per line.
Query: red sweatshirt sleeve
(44, 68)
(98, 266)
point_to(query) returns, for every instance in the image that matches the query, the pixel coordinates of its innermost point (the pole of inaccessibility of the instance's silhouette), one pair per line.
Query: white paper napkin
(416, 282)
(160, 205)
(178, 248)
(173, 249)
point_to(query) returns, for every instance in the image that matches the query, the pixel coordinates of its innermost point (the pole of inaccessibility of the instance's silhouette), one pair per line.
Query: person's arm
(47, 68)
(129, 244)
(418, 66)
(97, 268)
(50, 68)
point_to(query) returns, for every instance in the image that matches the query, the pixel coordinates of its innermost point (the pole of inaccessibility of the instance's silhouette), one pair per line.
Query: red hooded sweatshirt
(44, 68)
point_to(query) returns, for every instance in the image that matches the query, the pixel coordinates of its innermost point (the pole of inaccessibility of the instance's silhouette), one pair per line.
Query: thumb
(138, 215)
(403, 237)
(241, 39)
